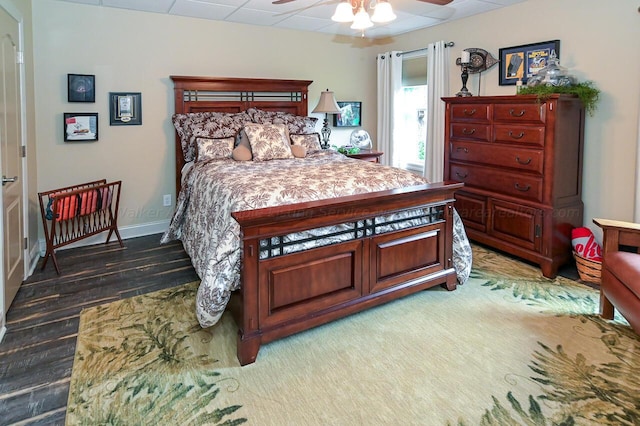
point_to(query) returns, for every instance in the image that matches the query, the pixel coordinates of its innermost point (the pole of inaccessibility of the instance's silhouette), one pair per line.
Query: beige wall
(137, 51)
(598, 42)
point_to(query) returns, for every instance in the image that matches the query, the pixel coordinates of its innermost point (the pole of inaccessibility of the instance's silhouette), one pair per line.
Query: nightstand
(367, 155)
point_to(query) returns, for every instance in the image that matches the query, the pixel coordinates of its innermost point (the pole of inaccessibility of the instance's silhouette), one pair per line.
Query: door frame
(15, 13)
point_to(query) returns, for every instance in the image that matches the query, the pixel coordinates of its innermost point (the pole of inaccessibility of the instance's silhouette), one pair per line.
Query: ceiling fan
(438, 2)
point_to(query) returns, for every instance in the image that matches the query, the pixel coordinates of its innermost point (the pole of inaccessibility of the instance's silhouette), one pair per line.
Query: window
(410, 131)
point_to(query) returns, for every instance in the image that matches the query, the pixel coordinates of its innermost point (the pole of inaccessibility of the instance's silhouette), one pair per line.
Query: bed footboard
(306, 264)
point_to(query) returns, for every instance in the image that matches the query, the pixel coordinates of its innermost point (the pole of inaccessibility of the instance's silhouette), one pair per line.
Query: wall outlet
(166, 200)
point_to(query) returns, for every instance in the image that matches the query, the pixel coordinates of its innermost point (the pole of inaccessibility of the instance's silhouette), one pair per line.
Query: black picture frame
(350, 116)
(523, 62)
(81, 88)
(80, 126)
(125, 108)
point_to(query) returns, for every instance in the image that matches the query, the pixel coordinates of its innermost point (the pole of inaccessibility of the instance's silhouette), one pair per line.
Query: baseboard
(126, 232)
(3, 331)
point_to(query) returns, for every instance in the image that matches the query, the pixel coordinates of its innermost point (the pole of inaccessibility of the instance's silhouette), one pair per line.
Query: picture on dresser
(523, 62)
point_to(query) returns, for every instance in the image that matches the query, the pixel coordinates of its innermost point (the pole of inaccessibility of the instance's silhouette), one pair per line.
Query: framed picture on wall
(81, 88)
(350, 114)
(523, 62)
(125, 108)
(80, 126)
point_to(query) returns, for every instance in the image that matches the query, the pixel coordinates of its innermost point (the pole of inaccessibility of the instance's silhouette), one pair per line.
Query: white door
(11, 158)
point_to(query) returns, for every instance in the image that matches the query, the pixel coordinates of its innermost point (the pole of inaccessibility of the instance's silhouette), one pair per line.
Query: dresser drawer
(474, 131)
(471, 112)
(516, 184)
(519, 113)
(498, 155)
(519, 134)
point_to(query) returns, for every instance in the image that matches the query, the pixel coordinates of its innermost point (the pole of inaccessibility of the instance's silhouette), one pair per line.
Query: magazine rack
(76, 212)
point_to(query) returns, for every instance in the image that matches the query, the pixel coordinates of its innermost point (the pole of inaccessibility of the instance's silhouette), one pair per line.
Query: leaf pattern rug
(509, 347)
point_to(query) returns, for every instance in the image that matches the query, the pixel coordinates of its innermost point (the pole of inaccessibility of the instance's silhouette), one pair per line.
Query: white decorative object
(361, 139)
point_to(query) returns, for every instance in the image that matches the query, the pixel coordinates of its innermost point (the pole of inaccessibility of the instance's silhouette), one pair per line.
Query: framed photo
(80, 126)
(81, 88)
(523, 62)
(350, 114)
(125, 108)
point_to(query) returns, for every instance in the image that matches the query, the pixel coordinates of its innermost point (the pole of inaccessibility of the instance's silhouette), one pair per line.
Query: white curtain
(437, 87)
(389, 84)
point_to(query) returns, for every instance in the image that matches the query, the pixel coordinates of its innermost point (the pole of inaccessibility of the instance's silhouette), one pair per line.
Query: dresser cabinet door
(515, 223)
(473, 210)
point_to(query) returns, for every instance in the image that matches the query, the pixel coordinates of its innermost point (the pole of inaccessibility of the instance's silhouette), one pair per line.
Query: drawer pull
(461, 148)
(522, 188)
(520, 136)
(512, 112)
(468, 132)
(462, 175)
(524, 163)
(469, 112)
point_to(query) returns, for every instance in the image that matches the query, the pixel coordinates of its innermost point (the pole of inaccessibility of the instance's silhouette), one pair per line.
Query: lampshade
(343, 13)
(361, 21)
(327, 103)
(383, 12)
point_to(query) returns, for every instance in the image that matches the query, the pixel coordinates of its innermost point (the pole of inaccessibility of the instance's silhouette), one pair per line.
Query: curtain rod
(448, 44)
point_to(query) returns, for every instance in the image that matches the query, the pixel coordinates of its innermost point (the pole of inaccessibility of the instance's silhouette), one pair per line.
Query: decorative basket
(588, 270)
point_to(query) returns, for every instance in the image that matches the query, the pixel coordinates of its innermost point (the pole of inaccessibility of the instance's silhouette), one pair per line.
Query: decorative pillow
(241, 153)
(298, 151)
(268, 141)
(208, 125)
(214, 148)
(310, 141)
(296, 124)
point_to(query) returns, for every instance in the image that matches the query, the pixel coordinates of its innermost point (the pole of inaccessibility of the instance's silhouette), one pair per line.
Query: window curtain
(389, 66)
(437, 87)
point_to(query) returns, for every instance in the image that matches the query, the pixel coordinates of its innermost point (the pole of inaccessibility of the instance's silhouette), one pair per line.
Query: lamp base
(325, 132)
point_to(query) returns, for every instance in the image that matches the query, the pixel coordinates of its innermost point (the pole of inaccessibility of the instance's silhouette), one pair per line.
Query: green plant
(586, 91)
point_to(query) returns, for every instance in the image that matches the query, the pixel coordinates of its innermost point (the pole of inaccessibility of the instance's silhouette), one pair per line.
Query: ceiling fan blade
(282, 1)
(438, 2)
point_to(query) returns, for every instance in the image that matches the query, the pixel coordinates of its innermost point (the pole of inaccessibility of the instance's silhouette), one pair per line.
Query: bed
(286, 244)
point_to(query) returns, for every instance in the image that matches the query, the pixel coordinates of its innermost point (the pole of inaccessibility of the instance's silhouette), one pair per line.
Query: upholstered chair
(620, 284)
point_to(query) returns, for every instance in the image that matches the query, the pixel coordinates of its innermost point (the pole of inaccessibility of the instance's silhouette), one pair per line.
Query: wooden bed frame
(285, 294)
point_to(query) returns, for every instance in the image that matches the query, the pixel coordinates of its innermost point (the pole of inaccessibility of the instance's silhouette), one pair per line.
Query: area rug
(509, 347)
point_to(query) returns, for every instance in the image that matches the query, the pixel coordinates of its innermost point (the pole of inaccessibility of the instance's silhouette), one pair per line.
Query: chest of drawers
(521, 162)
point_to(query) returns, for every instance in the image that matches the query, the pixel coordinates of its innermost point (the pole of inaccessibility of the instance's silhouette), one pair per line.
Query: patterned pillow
(214, 148)
(268, 141)
(208, 125)
(310, 141)
(296, 124)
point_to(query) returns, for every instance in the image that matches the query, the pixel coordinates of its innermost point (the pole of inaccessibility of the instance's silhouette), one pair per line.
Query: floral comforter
(211, 190)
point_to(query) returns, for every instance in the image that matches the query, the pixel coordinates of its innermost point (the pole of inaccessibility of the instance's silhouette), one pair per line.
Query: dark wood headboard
(224, 94)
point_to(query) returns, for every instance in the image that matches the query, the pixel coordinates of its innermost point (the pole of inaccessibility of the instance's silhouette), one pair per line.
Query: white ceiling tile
(92, 2)
(204, 10)
(310, 15)
(303, 23)
(255, 17)
(161, 6)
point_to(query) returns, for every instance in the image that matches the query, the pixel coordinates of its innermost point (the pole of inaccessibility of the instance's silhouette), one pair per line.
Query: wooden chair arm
(618, 233)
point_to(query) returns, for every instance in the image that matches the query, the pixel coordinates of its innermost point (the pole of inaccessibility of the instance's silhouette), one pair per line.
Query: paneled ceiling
(309, 15)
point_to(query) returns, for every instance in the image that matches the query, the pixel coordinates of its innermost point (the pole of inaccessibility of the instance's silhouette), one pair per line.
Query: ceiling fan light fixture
(343, 13)
(383, 12)
(361, 21)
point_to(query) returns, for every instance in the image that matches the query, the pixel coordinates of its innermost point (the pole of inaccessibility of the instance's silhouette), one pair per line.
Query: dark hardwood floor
(42, 323)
